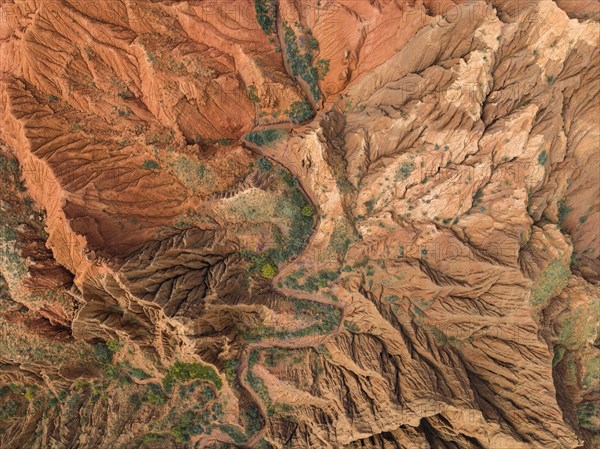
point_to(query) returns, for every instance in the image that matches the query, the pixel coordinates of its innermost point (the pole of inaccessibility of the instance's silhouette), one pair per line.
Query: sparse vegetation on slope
(552, 280)
(266, 138)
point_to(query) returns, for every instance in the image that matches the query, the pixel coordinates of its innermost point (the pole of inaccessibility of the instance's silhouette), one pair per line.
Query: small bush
(588, 416)
(253, 420)
(189, 423)
(308, 211)
(252, 94)
(264, 164)
(152, 437)
(543, 157)
(268, 271)
(8, 409)
(258, 385)
(152, 59)
(352, 327)
(103, 353)
(154, 395)
(404, 171)
(150, 165)
(341, 238)
(322, 68)
(139, 374)
(563, 211)
(125, 112)
(230, 368)
(113, 345)
(300, 111)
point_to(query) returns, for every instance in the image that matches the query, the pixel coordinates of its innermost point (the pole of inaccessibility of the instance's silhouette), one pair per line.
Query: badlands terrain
(299, 224)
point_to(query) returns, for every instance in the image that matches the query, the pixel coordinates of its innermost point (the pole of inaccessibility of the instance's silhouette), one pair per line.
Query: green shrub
(154, 395)
(265, 138)
(312, 283)
(150, 165)
(563, 211)
(322, 68)
(588, 415)
(300, 111)
(230, 368)
(152, 59)
(103, 353)
(404, 171)
(308, 211)
(477, 197)
(8, 409)
(189, 423)
(341, 238)
(543, 157)
(352, 327)
(252, 94)
(113, 345)
(264, 164)
(236, 435)
(124, 112)
(265, 14)
(263, 444)
(139, 374)
(268, 271)
(152, 437)
(253, 420)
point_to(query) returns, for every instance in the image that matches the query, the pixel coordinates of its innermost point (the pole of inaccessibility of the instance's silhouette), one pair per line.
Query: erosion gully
(306, 342)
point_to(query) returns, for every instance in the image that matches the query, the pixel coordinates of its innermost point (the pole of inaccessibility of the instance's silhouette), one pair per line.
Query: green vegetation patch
(189, 171)
(322, 66)
(266, 11)
(266, 138)
(268, 270)
(551, 282)
(103, 353)
(188, 371)
(300, 57)
(259, 386)
(264, 164)
(300, 111)
(588, 415)
(325, 319)
(563, 211)
(404, 171)
(293, 211)
(312, 283)
(150, 165)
